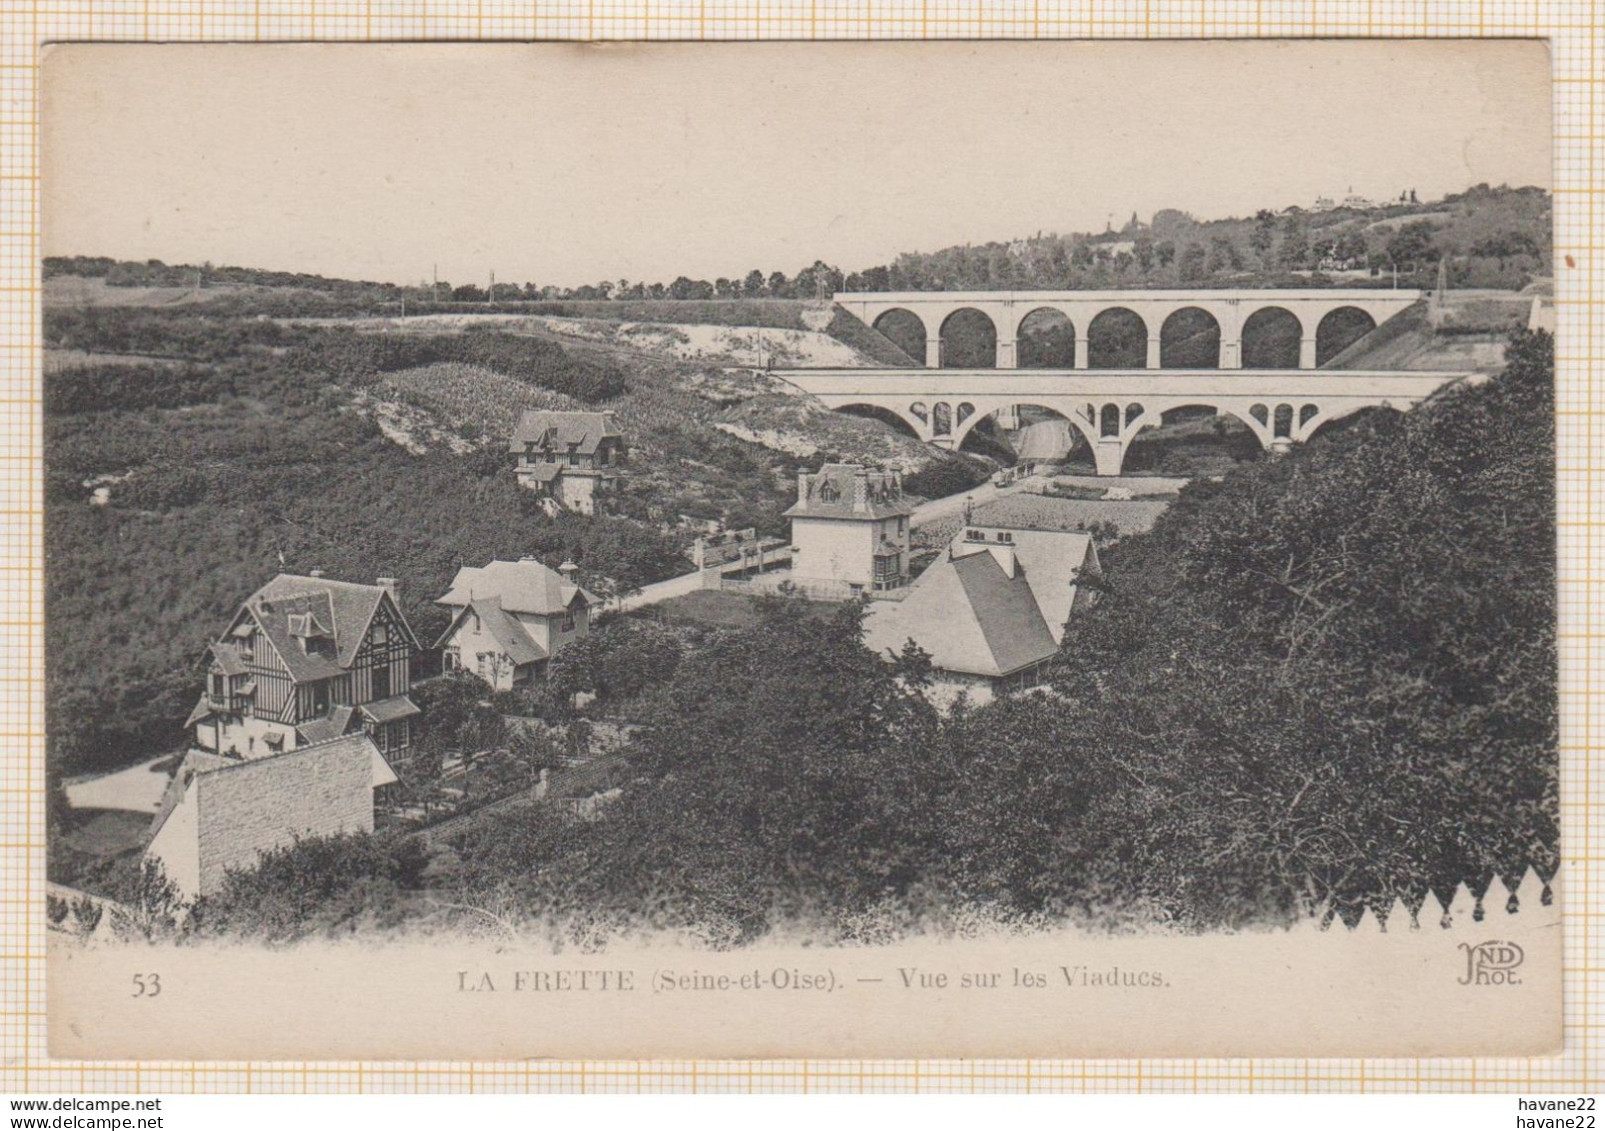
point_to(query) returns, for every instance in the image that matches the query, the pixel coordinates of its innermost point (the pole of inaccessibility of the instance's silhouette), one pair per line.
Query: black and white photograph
(795, 549)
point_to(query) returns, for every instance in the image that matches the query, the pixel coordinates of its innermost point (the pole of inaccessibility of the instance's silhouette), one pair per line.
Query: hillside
(1486, 237)
(192, 450)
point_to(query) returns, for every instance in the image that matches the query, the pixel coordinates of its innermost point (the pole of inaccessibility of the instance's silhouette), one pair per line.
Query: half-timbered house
(308, 659)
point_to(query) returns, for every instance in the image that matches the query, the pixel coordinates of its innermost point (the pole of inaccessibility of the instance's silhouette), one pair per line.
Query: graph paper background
(1572, 25)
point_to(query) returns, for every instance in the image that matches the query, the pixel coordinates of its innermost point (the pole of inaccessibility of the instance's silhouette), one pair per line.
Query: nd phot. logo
(1492, 963)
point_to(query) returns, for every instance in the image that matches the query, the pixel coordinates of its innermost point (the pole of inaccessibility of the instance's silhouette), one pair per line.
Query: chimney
(568, 569)
(315, 573)
(390, 586)
(860, 488)
(802, 486)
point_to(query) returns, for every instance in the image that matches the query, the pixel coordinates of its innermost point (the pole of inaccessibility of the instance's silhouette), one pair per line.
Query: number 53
(147, 985)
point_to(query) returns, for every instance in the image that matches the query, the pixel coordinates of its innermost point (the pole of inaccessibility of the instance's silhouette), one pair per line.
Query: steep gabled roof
(582, 432)
(969, 614)
(292, 607)
(1051, 559)
(524, 586)
(505, 630)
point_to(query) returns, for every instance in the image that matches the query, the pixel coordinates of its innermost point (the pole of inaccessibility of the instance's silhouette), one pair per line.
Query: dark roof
(335, 724)
(391, 709)
(1007, 612)
(543, 472)
(292, 607)
(228, 659)
(581, 432)
(833, 492)
(969, 614)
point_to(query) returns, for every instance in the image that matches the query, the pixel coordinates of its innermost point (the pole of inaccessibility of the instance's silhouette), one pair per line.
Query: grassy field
(714, 608)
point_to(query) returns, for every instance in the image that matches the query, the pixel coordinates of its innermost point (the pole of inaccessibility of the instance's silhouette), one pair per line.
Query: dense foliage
(1325, 679)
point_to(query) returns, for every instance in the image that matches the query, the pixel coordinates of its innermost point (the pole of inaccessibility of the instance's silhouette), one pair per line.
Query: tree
(778, 287)
(1412, 245)
(1262, 237)
(753, 285)
(1143, 249)
(1295, 249)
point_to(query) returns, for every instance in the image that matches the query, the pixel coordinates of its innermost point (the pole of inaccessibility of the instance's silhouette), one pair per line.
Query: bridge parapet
(1230, 309)
(1110, 407)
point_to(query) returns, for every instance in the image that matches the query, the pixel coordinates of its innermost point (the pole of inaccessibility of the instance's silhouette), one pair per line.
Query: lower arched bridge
(1109, 407)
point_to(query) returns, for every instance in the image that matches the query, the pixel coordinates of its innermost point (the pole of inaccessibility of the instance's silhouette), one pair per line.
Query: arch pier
(1311, 312)
(1109, 407)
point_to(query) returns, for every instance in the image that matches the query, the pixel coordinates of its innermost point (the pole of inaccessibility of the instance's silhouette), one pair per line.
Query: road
(658, 591)
(954, 504)
(138, 788)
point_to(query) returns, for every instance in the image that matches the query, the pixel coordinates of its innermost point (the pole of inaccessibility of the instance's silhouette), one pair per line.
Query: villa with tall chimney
(308, 659)
(850, 527)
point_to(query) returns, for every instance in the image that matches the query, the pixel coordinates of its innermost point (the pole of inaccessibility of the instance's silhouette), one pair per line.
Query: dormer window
(380, 634)
(1005, 537)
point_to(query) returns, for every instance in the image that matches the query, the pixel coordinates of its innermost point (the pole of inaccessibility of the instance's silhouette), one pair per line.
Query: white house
(509, 618)
(850, 526)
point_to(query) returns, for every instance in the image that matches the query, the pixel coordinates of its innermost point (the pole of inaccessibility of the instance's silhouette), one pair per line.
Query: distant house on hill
(308, 659)
(509, 618)
(569, 457)
(221, 812)
(849, 526)
(992, 611)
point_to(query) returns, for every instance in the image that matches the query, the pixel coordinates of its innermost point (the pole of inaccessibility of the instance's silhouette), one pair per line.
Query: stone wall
(247, 809)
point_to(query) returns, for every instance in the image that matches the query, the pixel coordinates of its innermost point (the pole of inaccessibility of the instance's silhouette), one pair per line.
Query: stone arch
(887, 416)
(1271, 339)
(1339, 329)
(904, 329)
(1109, 421)
(1190, 339)
(1133, 411)
(941, 419)
(1201, 433)
(1045, 339)
(1081, 436)
(969, 340)
(1117, 339)
(963, 412)
(1261, 414)
(1308, 413)
(1282, 422)
(1335, 421)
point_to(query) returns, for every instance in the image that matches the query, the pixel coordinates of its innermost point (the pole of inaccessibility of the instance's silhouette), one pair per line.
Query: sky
(566, 164)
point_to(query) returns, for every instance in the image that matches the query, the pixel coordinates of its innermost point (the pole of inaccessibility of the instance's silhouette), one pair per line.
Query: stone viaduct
(1233, 312)
(1280, 405)
(1109, 407)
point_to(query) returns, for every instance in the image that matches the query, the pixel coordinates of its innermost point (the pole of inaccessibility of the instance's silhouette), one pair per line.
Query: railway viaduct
(942, 403)
(1109, 407)
(1233, 312)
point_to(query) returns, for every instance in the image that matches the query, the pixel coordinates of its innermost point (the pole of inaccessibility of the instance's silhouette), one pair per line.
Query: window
(1005, 537)
(450, 659)
(567, 624)
(381, 634)
(320, 698)
(975, 536)
(381, 681)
